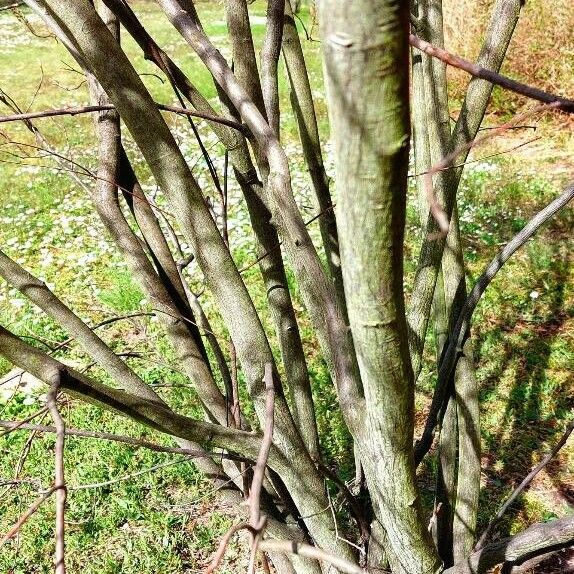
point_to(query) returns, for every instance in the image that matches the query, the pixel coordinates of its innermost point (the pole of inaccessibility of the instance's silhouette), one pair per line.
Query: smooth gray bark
(304, 110)
(365, 60)
(127, 92)
(40, 295)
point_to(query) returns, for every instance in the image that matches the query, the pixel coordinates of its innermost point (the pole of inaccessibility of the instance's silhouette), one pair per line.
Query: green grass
(165, 520)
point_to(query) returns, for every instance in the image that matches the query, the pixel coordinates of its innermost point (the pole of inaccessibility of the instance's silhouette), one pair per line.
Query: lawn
(132, 510)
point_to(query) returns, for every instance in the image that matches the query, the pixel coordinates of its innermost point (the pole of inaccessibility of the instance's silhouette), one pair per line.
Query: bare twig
(18, 424)
(128, 476)
(483, 158)
(261, 464)
(24, 517)
(60, 483)
(223, 545)
(356, 512)
(257, 521)
(308, 551)
(278, 246)
(435, 208)
(76, 110)
(527, 480)
(561, 103)
(461, 329)
(138, 443)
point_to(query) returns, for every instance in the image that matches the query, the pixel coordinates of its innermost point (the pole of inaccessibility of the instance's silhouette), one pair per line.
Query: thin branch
(527, 480)
(278, 246)
(127, 476)
(76, 110)
(135, 442)
(255, 519)
(223, 545)
(485, 157)
(561, 103)
(261, 464)
(461, 329)
(308, 551)
(24, 517)
(22, 423)
(436, 209)
(60, 483)
(355, 510)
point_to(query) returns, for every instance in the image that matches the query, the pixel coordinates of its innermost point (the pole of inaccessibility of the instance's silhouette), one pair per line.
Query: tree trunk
(365, 60)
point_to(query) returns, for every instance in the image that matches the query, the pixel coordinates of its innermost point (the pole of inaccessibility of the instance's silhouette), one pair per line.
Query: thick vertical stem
(446, 473)
(243, 50)
(128, 94)
(267, 240)
(270, 61)
(271, 267)
(503, 21)
(467, 407)
(317, 292)
(365, 55)
(304, 110)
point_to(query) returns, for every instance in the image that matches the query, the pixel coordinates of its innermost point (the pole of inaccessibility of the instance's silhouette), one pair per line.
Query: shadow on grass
(527, 345)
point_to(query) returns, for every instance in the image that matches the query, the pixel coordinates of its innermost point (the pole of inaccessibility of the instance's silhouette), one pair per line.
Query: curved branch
(37, 292)
(461, 329)
(151, 414)
(308, 551)
(527, 480)
(538, 539)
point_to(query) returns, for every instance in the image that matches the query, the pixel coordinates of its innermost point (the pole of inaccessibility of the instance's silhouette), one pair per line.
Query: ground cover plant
(132, 509)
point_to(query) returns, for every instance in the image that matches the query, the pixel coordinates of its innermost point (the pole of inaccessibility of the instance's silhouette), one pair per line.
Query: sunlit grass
(162, 521)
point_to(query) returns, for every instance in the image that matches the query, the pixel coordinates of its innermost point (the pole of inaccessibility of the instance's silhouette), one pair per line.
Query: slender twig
(59, 482)
(261, 464)
(485, 157)
(18, 424)
(356, 512)
(435, 207)
(223, 545)
(527, 480)
(561, 103)
(13, 425)
(308, 551)
(255, 519)
(83, 170)
(76, 110)
(278, 246)
(461, 329)
(256, 523)
(127, 476)
(24, 517)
